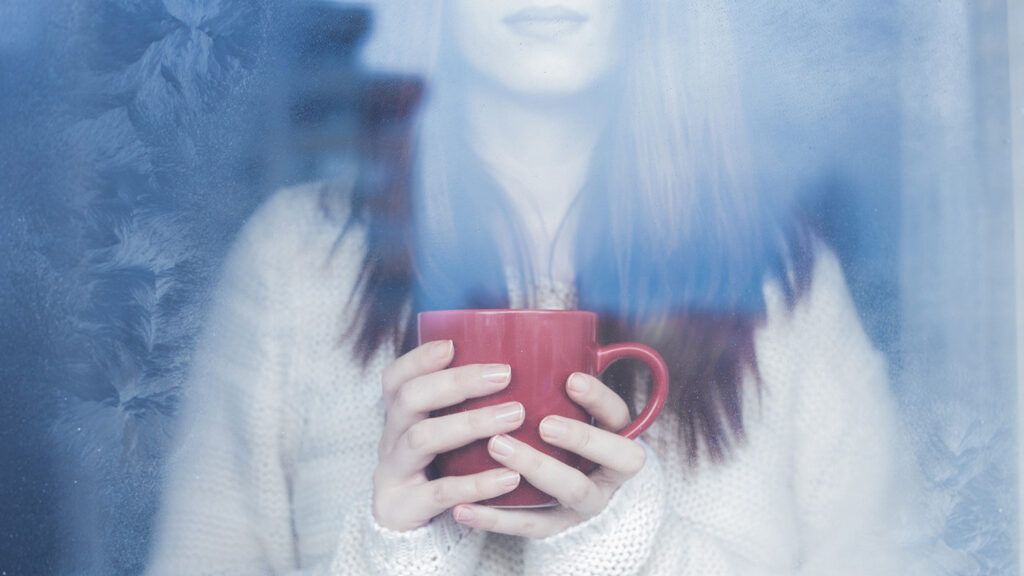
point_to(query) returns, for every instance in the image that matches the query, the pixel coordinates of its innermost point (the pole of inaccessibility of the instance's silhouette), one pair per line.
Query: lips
(545, 21)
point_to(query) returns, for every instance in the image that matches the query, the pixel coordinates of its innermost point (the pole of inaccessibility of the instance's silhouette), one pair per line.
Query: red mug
(543, 347)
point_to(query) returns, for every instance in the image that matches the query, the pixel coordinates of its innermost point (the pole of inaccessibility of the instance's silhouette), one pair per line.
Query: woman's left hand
(580, 496)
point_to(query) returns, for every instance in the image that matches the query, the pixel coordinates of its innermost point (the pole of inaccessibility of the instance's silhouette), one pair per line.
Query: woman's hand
(580, 496)
(413, 385)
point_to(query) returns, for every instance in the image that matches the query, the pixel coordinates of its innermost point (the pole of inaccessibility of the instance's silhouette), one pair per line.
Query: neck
(539, 152)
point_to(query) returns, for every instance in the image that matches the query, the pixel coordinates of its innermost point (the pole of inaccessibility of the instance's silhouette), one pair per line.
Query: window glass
(220, 219)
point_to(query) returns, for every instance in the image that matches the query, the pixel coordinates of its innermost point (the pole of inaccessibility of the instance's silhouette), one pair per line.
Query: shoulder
(825, 316)
(818, 349)
(294, 218)
(295, 230)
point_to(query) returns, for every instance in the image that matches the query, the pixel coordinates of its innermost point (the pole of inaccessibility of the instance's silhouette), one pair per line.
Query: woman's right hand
(415, 384)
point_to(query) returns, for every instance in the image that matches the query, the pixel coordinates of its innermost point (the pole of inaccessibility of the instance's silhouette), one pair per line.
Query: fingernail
(443, 349)
(553, 427)
(509, 479)
(497, 373)
(502, 446)
(578, 383)
(511, 412)
(463, 515)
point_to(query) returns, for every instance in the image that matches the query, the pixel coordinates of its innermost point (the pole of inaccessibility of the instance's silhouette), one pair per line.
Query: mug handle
(606, 355)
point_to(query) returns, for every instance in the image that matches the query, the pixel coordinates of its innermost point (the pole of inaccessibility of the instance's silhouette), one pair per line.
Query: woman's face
(535, 47)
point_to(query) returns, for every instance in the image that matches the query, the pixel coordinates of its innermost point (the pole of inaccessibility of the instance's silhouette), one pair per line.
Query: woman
(588, 155)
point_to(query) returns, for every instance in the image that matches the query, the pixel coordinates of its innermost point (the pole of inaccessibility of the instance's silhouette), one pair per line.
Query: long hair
(678, 240)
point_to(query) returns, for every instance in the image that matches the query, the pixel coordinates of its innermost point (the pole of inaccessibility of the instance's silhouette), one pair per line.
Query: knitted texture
(279, 436)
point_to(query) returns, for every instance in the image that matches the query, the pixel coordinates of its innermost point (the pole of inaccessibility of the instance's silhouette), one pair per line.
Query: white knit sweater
(279, 438)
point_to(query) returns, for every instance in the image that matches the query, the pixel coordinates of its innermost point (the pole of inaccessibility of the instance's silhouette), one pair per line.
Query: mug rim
(507, 312)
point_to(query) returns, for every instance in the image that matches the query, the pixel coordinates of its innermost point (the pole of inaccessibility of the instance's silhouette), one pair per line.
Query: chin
(546, 78)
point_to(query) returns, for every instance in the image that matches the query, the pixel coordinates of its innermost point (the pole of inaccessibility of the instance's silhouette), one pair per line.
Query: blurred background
(136, 136)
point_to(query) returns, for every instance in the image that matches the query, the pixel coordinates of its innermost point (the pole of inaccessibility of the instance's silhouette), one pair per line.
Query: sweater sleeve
(442, 547)
(226, 502)
(855, 486)
(618, 541)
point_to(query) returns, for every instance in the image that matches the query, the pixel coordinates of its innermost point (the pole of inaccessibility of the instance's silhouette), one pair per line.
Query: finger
(525, 523)
(572, 488)
(424, 359)
(427, 438)
(600, 401)
(416, 398)
(436, 496)
(620, 457)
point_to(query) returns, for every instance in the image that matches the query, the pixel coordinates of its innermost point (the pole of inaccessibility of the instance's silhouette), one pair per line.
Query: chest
(746, 502)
